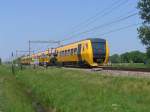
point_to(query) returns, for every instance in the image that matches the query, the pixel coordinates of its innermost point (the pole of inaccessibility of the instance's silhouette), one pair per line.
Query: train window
(60, 53)
(65, 52)
(75, 50)
(71, 51)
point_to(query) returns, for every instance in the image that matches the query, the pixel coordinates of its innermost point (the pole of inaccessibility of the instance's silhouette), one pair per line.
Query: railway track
(102, 68)
(116, 71)
(122, 69)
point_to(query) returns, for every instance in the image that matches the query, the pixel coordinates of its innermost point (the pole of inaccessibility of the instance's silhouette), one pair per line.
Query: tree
(115, 58)
(137, 57)
(144, 7)
(144, 30)
(17, 60)
(125, 58)
(133, 56)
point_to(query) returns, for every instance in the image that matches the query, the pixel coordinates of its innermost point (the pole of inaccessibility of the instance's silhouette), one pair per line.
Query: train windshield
(99, 51)
(98, 47)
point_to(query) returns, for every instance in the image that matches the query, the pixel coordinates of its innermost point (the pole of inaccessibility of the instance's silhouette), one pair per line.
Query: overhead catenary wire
(102, 26)
(118, 29)
(106, 11)
(92, 20)
(41, 42)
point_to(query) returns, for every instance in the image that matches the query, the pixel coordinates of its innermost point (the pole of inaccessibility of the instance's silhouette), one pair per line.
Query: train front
(100, 51)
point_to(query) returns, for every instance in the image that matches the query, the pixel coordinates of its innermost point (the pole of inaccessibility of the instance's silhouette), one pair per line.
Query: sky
(24, 20)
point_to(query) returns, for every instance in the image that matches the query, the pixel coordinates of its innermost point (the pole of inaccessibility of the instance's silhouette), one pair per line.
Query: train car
(47, 56)
(26, 60)
(35, 59)
(41, 58)
(44, 57)
(90, 52)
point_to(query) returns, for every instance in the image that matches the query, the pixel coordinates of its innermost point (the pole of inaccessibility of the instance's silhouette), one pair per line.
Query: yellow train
(26, 60)
(89, 52)
(44, 57)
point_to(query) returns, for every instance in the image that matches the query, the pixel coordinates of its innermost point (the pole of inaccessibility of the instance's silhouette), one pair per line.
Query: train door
(79, 52)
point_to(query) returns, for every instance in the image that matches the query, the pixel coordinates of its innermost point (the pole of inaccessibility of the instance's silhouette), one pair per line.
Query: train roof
(96, 39)
(92, 39)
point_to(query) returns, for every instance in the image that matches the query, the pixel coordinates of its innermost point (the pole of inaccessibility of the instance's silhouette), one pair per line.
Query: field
(12, 96)
(61, 90)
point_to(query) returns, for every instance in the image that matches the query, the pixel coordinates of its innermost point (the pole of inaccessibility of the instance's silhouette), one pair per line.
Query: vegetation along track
(64, 90)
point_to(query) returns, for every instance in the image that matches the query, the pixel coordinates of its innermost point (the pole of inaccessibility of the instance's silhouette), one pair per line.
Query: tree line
(144, 30)
(130, 57)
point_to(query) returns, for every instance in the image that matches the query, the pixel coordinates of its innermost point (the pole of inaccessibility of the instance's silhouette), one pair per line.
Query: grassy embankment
(78, 91)
(12, 96)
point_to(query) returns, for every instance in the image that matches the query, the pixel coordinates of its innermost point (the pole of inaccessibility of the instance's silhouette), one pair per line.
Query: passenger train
(90, 52)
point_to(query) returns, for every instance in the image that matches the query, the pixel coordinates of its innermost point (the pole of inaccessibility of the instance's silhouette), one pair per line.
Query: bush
(115, 58)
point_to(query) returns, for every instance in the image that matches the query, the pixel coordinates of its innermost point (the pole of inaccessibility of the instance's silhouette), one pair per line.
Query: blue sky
(21, 21)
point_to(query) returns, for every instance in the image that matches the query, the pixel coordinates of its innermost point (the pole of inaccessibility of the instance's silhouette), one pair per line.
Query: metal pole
(29, 47)
(16, 54)
(13, 69)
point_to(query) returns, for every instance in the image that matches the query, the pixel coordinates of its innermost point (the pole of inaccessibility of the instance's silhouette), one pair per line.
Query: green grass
(12, 97)
(77, 91)
(63, 90)
(131, 65)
